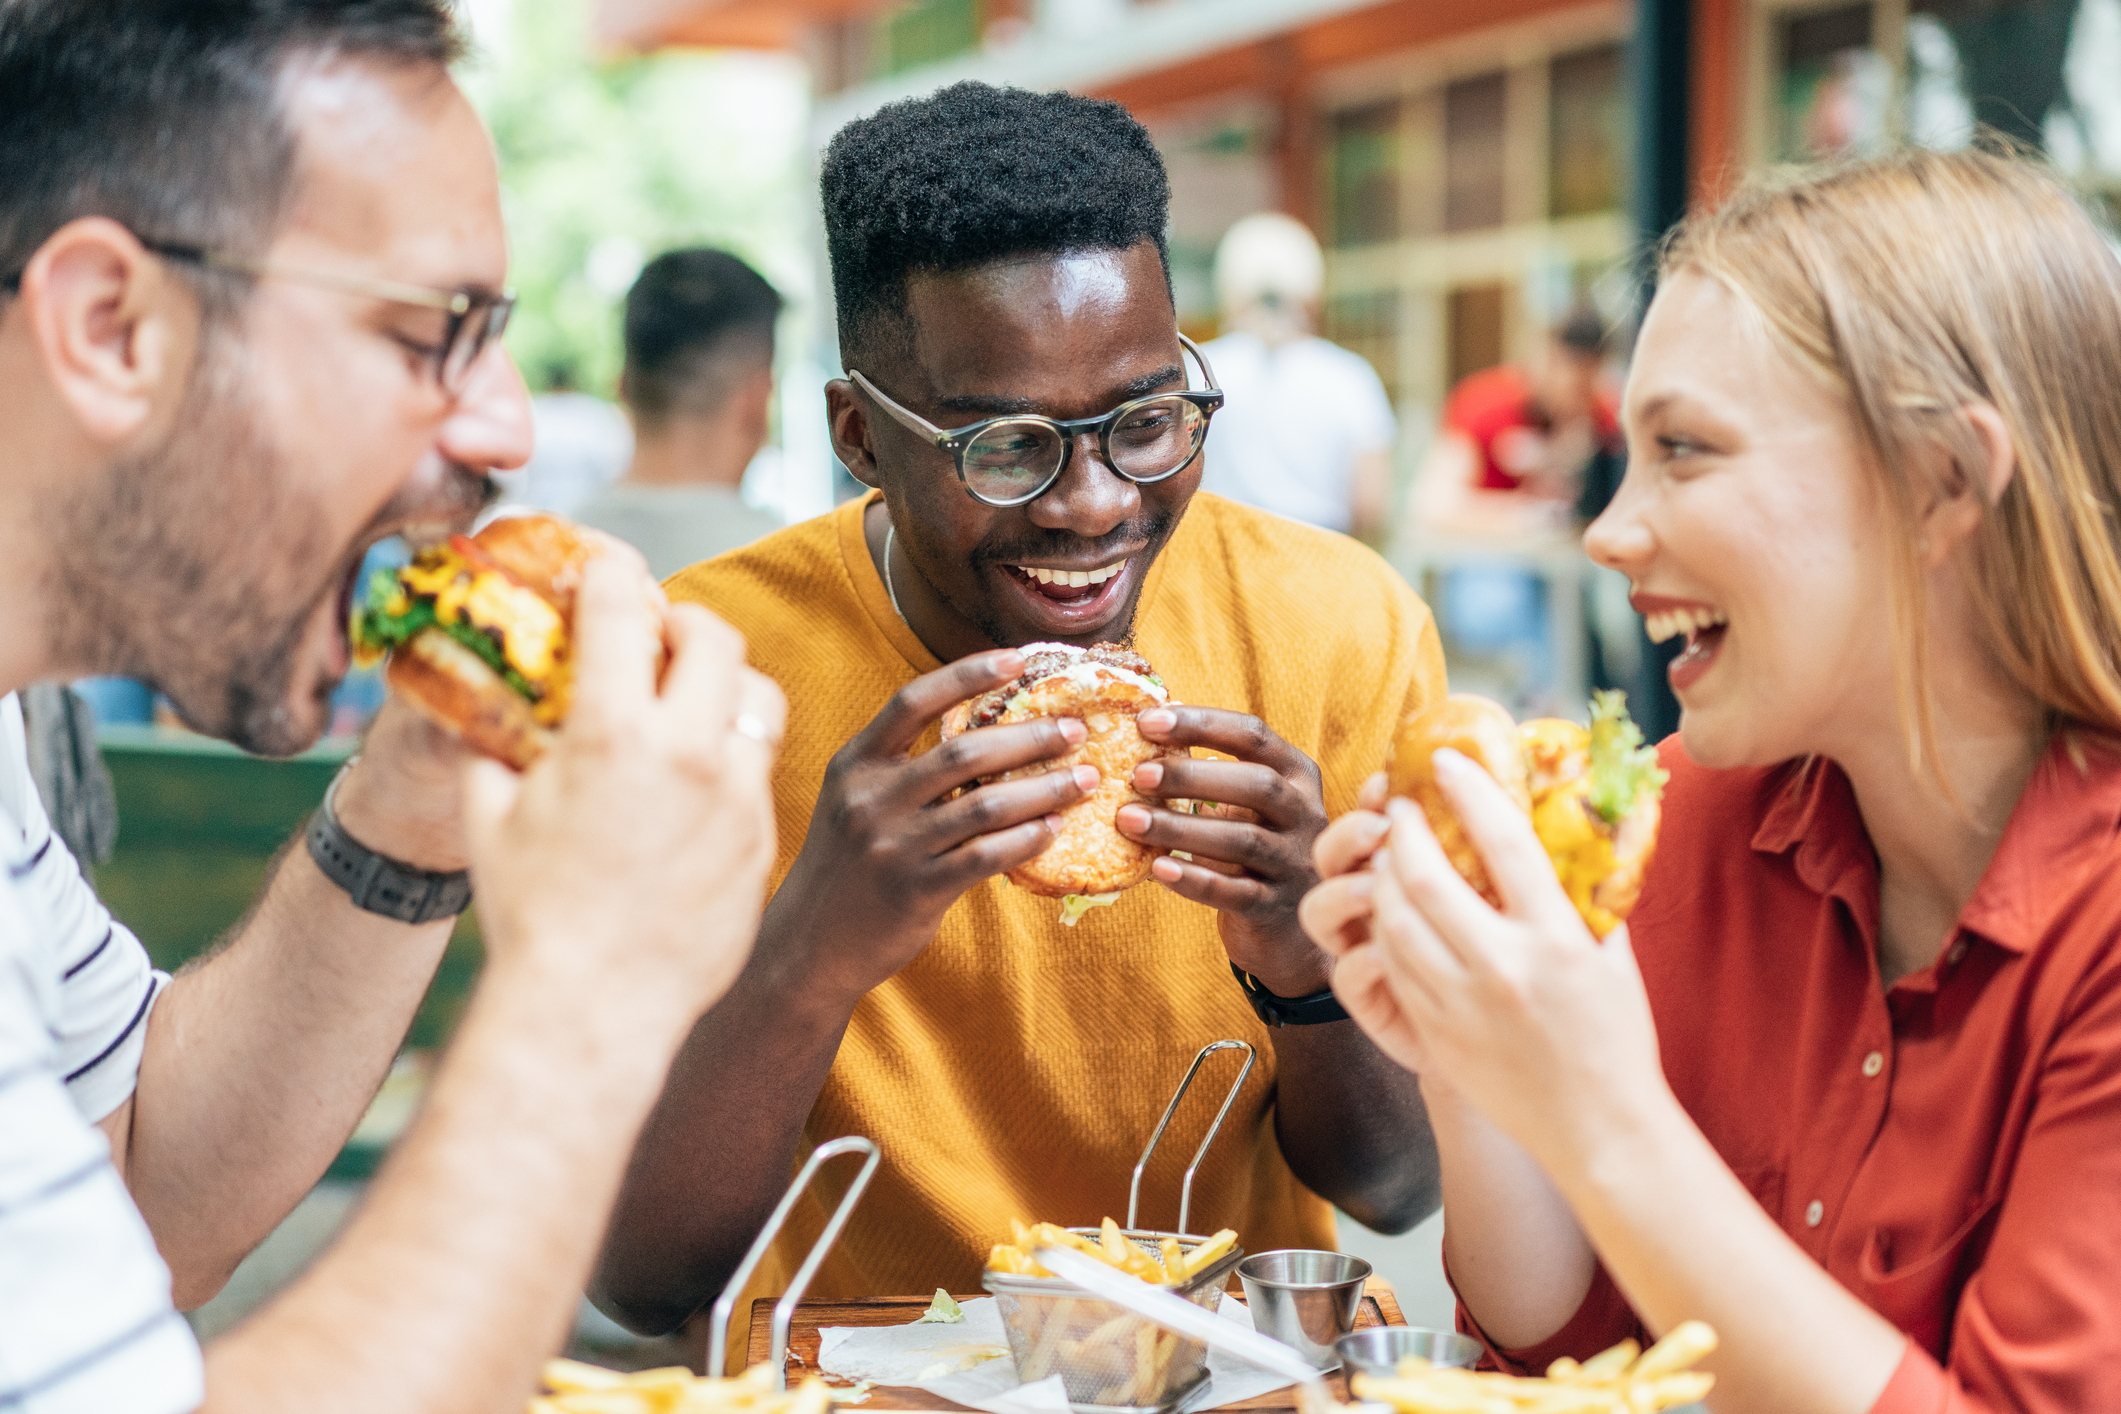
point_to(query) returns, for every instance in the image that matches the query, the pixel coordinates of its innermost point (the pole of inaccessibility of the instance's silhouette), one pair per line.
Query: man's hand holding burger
(892, 843)
(1251, 849)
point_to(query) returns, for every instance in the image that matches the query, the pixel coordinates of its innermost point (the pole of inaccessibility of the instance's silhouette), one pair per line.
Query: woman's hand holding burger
(1518, 1010)
(625, 867)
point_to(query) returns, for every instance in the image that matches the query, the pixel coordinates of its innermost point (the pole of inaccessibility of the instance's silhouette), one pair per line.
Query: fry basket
(784, 1309)
(1111, 1360)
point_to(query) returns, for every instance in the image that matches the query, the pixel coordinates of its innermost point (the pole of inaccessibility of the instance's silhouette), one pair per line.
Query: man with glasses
(251, 276)
(1019, 395)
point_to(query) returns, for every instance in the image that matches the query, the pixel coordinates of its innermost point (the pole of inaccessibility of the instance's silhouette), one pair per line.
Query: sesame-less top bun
(1474, 727)
(1105, 687)
(542, 553)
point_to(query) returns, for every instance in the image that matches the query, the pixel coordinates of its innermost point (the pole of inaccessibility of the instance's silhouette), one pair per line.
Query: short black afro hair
(974, 174)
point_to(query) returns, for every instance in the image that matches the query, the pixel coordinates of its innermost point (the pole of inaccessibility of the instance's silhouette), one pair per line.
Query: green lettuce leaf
(943, 1311)
(377, 629)
(1624, 771)
(1074, 906)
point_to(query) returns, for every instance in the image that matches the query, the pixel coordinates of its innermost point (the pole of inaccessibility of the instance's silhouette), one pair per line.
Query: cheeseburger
(477, 631)
(1595, 796)
(1105, 687)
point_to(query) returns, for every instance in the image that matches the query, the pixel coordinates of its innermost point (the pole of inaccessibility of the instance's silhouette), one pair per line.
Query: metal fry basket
(784, 1309)
(1111, 1360)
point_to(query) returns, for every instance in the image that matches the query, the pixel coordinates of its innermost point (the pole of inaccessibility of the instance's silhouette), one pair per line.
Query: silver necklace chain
(891, 534)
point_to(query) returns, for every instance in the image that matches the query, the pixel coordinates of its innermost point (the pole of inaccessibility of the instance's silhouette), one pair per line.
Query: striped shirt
(86, 1323)
(107, 984)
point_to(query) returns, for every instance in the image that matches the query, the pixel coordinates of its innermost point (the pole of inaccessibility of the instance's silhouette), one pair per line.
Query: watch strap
(376, 882)
(1314, 1010)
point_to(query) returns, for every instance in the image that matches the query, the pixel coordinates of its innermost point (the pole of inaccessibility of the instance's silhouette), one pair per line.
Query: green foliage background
(599, 154)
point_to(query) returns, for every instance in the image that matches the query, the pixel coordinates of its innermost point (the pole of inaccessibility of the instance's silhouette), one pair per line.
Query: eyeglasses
(1009, 460)
(476, 318)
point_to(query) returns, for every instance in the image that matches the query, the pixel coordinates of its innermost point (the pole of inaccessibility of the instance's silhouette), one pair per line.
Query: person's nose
(1621, 538)
(489, 428)
(1090, 499)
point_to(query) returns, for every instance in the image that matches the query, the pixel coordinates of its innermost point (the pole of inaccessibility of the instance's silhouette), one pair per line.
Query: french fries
(1167, 1265)
(1622, 1380)
(575, 1388)
(1104, 1354)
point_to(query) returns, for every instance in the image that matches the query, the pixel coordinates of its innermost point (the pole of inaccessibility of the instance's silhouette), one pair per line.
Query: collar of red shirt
(2060, 828)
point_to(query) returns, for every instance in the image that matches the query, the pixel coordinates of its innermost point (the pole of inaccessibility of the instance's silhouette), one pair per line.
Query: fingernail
(1167, 870)
(1008, 663)
(1399, 808)
(1451, 762)
(1376, 827)
(1361, 885)
(1157, 719)
(1149, 775)
(1133, 819)
(1086, 778)
(1073, 731)
(1053, 823)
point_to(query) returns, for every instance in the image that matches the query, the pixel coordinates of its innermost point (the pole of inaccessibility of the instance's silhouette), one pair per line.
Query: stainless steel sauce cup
(1378, 1350)
(1306, 1300)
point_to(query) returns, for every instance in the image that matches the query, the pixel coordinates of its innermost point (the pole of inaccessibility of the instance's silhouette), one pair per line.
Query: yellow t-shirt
(1015, 1069)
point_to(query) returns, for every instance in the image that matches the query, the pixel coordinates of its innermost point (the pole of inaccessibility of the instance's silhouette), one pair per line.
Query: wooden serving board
(1380, 1307)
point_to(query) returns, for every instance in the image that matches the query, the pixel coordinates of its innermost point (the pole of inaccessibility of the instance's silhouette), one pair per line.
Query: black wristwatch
(376, 882)
(1314, 1010)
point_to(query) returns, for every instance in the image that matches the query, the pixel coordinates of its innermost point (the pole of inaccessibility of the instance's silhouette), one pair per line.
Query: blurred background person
(1523, 454)
(1519, 444)
(698, 386)
(1306, 430)
(582, 444)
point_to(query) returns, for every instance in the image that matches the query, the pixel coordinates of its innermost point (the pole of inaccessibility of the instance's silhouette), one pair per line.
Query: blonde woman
(1852, 1091)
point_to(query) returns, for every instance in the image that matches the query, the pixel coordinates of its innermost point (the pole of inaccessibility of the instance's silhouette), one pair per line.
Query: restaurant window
(924, 32)
(1475, 315)
(1474, 153)
(1368, 324)
(1365, 156)
(1587, 138)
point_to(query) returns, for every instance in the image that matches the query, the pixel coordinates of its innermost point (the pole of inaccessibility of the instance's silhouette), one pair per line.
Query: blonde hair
(1919, 284)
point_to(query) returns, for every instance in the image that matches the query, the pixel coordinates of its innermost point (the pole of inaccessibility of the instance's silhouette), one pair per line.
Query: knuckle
(982, 810)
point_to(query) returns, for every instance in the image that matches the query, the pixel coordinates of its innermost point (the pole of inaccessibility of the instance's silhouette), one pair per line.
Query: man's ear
(849, 421)
(1968, 492)
(103, 314)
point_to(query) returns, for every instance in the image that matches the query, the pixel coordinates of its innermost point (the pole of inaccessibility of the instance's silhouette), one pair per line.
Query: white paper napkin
(908, 1356)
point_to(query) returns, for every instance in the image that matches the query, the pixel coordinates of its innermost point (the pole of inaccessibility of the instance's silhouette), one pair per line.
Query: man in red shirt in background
(1532, 430)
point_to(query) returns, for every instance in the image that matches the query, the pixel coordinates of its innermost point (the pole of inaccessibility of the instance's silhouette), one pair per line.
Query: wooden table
(1380, 1307)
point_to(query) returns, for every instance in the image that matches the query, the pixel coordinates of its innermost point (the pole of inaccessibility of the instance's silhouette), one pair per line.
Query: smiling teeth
(1073, 579)
(1673, 622)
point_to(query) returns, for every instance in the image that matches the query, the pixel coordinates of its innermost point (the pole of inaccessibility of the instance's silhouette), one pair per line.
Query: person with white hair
(1306, 430)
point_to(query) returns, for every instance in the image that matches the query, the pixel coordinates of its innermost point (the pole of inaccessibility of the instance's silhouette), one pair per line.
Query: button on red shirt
(1948, 1148)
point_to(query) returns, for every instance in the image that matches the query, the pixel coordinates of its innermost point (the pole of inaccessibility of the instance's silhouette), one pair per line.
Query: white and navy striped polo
(86, 1322)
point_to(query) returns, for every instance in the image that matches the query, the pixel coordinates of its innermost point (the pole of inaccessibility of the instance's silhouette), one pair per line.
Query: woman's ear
(1968, 492)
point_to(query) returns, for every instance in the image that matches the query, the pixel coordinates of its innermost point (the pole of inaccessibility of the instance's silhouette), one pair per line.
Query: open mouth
(1705, 629)
(1071, 601)
(1069, 586)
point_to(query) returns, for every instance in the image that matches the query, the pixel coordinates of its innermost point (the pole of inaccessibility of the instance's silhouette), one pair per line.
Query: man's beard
(169, 568)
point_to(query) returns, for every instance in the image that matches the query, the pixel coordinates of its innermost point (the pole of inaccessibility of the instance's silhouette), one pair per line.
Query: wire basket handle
(784, 1309)
(1185, 1192)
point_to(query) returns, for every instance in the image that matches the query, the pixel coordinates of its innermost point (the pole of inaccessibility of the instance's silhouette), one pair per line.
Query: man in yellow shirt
(999, 255)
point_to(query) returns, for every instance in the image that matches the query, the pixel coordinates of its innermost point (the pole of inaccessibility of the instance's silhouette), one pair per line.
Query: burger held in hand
(1105, 687)
(1595, 795)
(478, 632)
